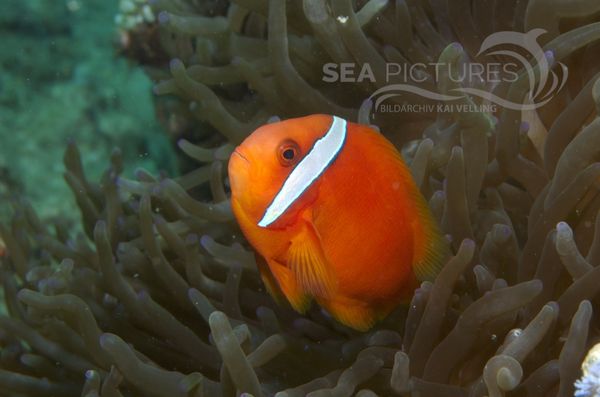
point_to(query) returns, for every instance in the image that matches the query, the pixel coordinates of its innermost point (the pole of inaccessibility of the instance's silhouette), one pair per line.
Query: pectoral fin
(308, 263)
(282, 277)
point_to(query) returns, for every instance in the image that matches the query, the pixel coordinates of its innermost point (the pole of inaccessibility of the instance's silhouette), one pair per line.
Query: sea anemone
(158, 295)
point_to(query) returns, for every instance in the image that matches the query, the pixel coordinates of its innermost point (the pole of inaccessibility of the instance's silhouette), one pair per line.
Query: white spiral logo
(536, 68)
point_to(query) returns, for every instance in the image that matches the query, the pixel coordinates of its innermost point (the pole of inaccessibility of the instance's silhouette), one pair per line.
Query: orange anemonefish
(334, 215)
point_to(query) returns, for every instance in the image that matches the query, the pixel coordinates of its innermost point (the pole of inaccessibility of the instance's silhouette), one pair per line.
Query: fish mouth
(241, 155)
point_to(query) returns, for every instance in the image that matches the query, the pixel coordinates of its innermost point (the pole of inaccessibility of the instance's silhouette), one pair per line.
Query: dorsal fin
(434, 249)
(431, 248)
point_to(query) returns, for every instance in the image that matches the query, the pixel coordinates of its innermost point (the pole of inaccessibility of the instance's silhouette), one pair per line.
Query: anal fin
(352, 313)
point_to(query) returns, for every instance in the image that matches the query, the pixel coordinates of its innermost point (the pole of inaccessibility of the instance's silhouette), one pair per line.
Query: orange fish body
(332, 209)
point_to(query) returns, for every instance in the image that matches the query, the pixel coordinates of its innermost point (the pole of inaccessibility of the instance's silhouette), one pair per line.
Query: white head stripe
(310, 168)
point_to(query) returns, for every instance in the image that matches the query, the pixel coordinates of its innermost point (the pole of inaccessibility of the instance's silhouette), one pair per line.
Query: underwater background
(124, 272)
(62, 78)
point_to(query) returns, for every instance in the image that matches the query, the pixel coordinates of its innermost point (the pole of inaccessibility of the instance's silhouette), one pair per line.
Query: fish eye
(288, 153)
